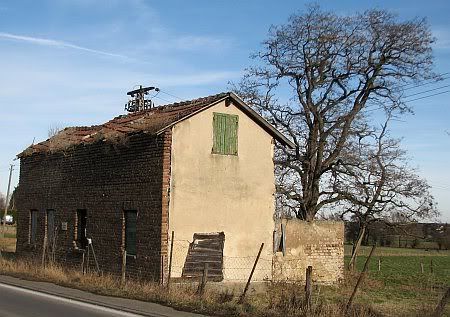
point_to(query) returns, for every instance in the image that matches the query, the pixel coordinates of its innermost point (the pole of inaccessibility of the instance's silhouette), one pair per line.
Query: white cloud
(442, 39)
(201, 78)
(57, 44)
(191, 42)
(162, 40)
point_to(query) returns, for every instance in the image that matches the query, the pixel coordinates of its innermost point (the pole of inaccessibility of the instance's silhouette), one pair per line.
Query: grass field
(8, 243)
(400, 287)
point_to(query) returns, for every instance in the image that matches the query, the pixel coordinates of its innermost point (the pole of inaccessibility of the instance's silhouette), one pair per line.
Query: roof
(152, 121)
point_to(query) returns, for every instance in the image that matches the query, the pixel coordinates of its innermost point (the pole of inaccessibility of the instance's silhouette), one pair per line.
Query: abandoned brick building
(129, 182)
(202, 169)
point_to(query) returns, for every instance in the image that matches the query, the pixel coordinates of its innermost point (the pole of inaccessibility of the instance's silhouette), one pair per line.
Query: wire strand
(420, 98)
(169, 94)
(425, 91)
(425, 82)
(163, 99)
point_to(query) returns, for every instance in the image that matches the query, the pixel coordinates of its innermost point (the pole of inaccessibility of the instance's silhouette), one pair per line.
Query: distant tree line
(410, 235)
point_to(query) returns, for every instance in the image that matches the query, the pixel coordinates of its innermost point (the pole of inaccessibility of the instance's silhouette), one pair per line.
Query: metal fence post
(308, 288)
(241, 299)
(360, 279)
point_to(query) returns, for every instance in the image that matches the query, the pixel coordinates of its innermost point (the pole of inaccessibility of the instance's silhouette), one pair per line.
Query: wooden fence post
(421, 267)
(44, 250)
(95, 260)
(203, 280)
(431, 266)
(379, 264)
(360, 279)
(308, 288)
(162, 270)
(241, 299)
(170, 259)
(439, 311)
(124, 265)
(88, 263)
(82, 263)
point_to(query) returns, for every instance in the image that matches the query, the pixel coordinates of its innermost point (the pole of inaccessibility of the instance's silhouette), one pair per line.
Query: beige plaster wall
(214, 193)
(319, 244)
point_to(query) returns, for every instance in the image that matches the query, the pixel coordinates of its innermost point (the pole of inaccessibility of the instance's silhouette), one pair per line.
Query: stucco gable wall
(214, 193)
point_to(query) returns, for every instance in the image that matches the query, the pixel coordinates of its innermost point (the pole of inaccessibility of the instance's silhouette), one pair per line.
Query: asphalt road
(19, 302)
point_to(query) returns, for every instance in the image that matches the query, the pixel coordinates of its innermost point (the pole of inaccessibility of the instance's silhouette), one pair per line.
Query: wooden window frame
(279, 240)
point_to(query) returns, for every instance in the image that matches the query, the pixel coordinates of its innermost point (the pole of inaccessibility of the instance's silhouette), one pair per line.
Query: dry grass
(280, 299)
(8, 244)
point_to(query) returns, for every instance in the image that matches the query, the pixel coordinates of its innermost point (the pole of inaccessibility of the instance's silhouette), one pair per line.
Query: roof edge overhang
(247, 110)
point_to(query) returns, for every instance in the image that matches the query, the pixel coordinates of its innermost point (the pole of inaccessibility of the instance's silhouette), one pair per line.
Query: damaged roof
(152, 121)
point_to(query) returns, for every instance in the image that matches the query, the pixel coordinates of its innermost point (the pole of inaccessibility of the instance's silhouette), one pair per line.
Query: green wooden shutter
(232, 133)
(225, 134)
(130, 232)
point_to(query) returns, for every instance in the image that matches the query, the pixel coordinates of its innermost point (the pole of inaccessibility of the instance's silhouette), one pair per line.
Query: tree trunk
(351, 264)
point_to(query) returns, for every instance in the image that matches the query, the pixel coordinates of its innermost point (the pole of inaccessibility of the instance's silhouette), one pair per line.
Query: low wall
(319, 244)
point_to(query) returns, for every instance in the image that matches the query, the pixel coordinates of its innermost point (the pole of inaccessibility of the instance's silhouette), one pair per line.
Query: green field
(400, 288)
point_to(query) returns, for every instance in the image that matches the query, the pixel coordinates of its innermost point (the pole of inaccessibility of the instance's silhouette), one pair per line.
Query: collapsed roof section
(152, 121)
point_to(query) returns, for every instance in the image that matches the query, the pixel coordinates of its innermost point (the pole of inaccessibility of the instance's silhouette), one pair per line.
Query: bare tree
(317, 75)
(53, 130)
(376, 183)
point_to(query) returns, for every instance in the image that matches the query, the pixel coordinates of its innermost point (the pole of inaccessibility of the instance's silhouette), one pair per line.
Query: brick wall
(317, 243)
(105, 179)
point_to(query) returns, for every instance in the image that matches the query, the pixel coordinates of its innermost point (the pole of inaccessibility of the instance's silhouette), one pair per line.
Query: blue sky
(66, 63)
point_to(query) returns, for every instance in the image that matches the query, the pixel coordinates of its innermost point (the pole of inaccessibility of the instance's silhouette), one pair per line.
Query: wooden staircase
(205, 248)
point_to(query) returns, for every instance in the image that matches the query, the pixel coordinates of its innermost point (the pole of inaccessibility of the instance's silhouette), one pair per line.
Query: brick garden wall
(317, 243)
(105, 179)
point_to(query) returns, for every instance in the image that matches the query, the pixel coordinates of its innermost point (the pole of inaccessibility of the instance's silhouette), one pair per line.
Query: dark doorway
(81, 228)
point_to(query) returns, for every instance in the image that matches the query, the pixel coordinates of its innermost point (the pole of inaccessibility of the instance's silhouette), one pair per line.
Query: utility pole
(139, 102)
(11, 168)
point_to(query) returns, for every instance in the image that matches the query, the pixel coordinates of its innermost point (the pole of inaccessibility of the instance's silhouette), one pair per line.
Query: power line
(163, 99)
(426, 82)
(422, 92)
(171, 95)
(424, 97)
(436, 94)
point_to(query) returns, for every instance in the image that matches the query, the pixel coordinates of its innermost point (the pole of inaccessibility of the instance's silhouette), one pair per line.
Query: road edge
(84, 300)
